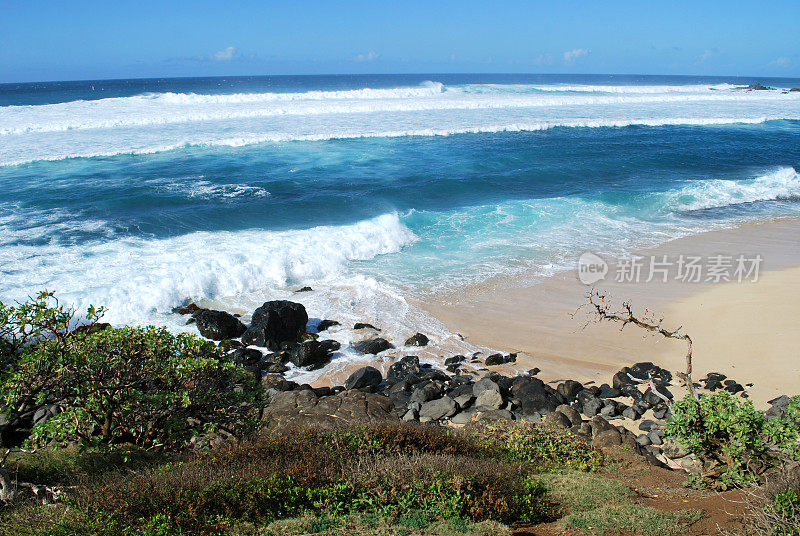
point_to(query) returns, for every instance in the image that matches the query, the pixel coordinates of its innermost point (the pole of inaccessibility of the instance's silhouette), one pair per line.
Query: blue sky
(49, 40)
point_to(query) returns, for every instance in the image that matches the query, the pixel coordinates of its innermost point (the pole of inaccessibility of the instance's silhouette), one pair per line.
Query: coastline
(744, 330)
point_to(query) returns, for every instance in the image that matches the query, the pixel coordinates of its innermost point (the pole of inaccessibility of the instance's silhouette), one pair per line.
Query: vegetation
(600, 505)
(402, 474)
(774, 509)
(142, 386)
(737, 440)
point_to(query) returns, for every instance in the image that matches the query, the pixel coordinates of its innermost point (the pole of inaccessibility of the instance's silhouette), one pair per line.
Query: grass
(395, 480)
(413, 524)
(632, 519)
(579, 492)
(597, 504)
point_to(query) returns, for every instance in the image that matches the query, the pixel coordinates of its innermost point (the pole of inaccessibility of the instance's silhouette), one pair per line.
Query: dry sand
(747, 330)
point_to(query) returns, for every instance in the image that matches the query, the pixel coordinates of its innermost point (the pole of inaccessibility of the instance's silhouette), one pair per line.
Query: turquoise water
(141, 194)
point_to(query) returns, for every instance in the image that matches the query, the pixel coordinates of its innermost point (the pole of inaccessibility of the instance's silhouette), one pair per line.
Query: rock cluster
(630, 410)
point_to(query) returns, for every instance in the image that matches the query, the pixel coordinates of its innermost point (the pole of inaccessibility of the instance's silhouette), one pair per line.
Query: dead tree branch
(601, 309)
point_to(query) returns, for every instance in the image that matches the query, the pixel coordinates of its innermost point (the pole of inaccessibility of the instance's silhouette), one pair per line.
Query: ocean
(376, 191)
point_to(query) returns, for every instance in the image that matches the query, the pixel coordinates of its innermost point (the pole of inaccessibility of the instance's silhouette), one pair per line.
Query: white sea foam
(174, 108)
(196, 187)
(199, 265)
(146, 124)
(781, 184)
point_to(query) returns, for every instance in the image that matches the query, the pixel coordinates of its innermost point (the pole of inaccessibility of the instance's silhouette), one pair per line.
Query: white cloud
(571, 55)
(369, 56)
(783, 61)
(704, 56)
(226, 54)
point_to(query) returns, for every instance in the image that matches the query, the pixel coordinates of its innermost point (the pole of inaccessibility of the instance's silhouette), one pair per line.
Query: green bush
(546, 449)
(733, 435)
(144, 386)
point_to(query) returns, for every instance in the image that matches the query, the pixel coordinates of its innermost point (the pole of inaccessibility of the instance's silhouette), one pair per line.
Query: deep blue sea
(141, 194)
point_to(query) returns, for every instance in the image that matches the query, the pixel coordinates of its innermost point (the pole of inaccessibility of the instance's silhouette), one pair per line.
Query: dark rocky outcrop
(311, 353)
(304, 408)
(418, 339)
(275, 323)
(365, 377)
(219, 325)
(434, 410)
(325, 324)
(494, 359)
(407, 369)
(364, 325)
(372, 346)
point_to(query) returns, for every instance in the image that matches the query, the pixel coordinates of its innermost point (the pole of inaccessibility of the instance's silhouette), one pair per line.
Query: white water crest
(144, 124)
(780, 184)
(198, 265)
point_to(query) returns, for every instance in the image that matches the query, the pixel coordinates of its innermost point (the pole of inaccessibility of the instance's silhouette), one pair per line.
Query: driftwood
(600, 308)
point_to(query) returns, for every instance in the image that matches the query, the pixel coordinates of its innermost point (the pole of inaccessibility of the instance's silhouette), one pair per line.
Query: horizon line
(319, 75)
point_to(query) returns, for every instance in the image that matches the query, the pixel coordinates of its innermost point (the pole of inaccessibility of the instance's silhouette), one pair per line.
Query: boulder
(607, 438)
(463, 417)
(672, 449)
(495, 415)
(571, 413)
(303, 408)
(778, 407)
(655, 437)
(434, 410)
(599, 424)
(326, 324)
(417, 339)
(494, 360)
(411, 415)
(592, 407)
(219, 325)
(310, 353)
(426, 392)
(246, 356)
(534, 396)
(557, 420)
(463, 395)
(275, 323)
(484, 384)
(404, 370)
(455, 360)
(488, 400)
(368, 377)
(372, 346)
(364, 325)
(569, 389)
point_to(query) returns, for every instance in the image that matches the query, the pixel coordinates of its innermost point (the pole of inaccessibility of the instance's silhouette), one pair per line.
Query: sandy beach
(746, 330)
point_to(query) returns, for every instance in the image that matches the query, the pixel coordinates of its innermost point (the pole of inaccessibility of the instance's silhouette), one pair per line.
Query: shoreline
(727, 321)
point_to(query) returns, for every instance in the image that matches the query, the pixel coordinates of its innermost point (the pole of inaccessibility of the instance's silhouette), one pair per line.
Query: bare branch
(600, 307)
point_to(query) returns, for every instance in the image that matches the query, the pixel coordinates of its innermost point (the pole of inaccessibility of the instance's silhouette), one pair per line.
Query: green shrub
(140, 385)
(733, 435)
(546, 449)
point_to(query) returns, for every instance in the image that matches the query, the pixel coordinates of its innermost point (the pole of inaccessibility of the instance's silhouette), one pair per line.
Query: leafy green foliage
(144, 386)
(526, 442)
(733, 435)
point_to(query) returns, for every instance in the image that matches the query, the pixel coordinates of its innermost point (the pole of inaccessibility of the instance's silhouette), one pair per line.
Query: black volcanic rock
(219, 325)
(372, 346)
(275, 323)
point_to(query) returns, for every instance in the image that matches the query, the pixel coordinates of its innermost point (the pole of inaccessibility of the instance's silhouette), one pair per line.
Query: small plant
(526, 442)
(774, 509)
(737, 439)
